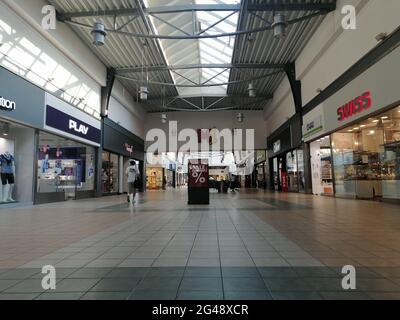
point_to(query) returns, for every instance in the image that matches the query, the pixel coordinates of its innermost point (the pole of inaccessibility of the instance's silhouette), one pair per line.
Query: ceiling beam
(149, 11)
(202, 66)
(298, 6)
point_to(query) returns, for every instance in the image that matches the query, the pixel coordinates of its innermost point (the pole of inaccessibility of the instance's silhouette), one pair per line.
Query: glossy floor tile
(244, 245)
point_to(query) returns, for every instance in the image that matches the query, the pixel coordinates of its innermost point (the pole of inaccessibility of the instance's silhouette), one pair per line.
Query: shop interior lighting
(6, 129)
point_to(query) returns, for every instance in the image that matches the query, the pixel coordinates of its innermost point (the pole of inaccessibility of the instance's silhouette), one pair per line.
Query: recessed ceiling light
(356, 128)
(375, 121)
(363, 126)
(385, 117)
(350, 130)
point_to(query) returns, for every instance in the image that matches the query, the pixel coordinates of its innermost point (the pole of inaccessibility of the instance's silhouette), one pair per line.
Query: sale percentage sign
(199, 177)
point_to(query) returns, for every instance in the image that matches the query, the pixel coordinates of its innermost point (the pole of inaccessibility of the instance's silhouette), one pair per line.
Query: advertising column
(199, 192)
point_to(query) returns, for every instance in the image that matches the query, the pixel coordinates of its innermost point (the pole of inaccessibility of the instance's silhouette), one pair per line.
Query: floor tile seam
(148, 271)
(219, 255)
(187, 262)
(258, 270)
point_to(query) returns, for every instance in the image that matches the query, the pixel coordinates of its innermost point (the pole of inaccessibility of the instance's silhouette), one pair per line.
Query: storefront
(155, 178)
(21, 115)
(354, 136)
(286, 160)
(66, 153)
(261, 172)
(119, 147)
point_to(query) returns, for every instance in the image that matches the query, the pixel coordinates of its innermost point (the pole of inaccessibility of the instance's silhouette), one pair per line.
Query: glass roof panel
(217, 51)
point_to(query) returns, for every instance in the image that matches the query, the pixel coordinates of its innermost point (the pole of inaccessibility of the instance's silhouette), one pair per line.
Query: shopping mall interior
(198, 150)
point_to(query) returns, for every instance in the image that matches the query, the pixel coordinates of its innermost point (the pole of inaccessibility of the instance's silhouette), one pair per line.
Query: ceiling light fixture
(240, 117)
(164, 118)
(279, 25)
(99, 34)
(6, 129)
(144, 92)
(252, 90)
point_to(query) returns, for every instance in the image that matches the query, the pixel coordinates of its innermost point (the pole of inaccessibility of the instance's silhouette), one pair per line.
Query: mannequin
(7, 176)
(132, 174)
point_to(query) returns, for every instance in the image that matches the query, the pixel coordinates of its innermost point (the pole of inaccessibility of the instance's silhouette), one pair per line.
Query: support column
(295, 85)
(104, 105)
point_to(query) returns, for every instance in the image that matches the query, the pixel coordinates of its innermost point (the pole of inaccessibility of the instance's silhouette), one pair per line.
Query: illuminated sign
(7, 104)
(355, 106)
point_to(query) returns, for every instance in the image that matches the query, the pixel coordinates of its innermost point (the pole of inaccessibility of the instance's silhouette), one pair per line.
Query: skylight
(217, 50)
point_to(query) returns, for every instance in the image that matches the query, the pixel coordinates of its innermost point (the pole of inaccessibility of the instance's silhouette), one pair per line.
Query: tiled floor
(247, 245)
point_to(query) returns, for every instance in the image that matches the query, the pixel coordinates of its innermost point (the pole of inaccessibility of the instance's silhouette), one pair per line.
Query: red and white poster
(284, 179)
(198, 173)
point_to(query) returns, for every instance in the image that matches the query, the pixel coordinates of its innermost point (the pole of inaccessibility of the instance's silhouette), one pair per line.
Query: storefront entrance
(110, 173)
(321, 167)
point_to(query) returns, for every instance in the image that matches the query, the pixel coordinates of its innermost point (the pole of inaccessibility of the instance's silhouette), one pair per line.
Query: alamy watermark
(349, 21)
(49, 280)
(203, 141)
(349, 280)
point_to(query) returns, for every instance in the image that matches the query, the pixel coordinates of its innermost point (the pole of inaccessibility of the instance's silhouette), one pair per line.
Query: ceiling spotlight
(240, 117)
(252, 91)
(164, 118)
(279, 25)
(144, 92)
(99, 34)
(381, 36)
(6, 129)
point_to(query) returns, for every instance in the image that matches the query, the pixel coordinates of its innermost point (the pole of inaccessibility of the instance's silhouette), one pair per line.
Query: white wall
(207, 120)
(58, 55)
(331, 51)
(280, 109)
(125, 111)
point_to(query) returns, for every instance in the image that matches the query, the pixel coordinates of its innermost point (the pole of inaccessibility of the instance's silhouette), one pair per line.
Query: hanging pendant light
(252, 90)
(99, 34)
(144, 92)
(279, 25)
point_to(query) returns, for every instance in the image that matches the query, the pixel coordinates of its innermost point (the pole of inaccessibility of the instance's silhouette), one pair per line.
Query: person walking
(132, 174)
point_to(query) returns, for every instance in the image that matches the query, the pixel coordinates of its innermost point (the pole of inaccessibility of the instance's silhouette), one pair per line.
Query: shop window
(300, 169)
(154, 178)
(110, 173)
(276, 174)
(16, 163)
(64, 166)
(367, 158)
(292, 172)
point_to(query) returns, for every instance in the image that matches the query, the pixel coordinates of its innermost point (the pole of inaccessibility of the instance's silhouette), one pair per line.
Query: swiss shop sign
(355, 106)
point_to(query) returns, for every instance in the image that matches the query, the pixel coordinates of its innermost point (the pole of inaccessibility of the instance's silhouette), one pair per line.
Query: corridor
(244, 245)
